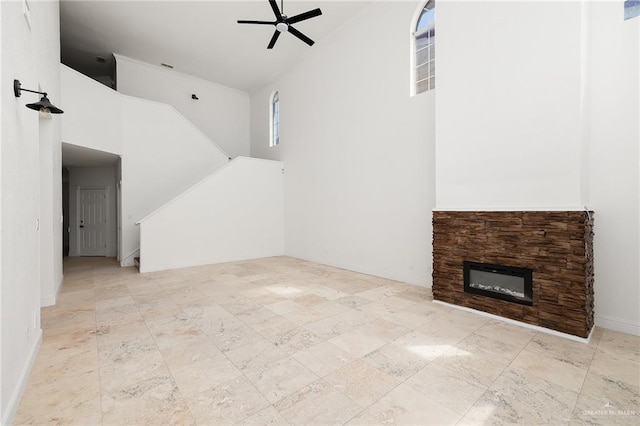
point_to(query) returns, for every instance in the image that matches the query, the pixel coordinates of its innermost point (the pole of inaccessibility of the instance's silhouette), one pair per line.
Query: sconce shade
(45, 105)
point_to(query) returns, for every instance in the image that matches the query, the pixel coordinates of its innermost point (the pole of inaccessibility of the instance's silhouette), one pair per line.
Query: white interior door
(93, 235)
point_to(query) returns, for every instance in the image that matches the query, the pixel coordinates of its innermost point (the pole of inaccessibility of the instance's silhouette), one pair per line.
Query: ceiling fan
(283, 23)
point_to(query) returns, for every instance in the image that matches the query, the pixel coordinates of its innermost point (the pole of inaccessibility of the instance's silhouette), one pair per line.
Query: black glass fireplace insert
(499, 281)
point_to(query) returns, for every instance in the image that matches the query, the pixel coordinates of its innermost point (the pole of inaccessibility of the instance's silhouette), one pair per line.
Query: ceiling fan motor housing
(284, 24)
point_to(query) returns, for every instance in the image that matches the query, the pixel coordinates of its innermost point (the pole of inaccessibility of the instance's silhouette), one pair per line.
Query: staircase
(183, 202)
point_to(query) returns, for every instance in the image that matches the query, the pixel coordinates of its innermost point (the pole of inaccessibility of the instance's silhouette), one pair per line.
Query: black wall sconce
(44, 105)
(194, 97)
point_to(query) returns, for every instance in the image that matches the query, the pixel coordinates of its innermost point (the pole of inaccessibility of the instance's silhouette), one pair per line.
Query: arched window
(274, 120)
(424, 39)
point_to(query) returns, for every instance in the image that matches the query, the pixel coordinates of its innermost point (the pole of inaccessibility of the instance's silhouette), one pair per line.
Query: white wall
(357, 149)
(93, 113)
(92, 177)
(236, 213)
(220, 112)
(163, 154)
(614, 189)
(508, 105)
(32, 56)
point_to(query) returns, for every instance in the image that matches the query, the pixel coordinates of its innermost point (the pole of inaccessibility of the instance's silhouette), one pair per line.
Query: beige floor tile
(513, 335)
(227, 403)
(353, 301)
(421, 345)
(379, 293)
(567, 351)
(50, 368)
(474, 369)
(448, 330)
(113, 334)
(231, 337)
(620, 345)
(304, 316)
(256, 355)
(296, 340)
(274, 327)
(328, 328)
(86, 412)
(281, 378)
(406, 406)
(126, 350)
(284, 306)
(323, 358)
(485, 347)
(267, 417)
(309, 300)
(384, 329)
(154, 401)
(204, 375)
(615, 366)
(361, 382)
(358, 343)
(363, 419)
(329, 307)
(516, 396)
(549, 369)
(182, 355)
(47, 398)
(125, 373)
(317, 404)
(607, 402)
(446, 388)
(396, 361)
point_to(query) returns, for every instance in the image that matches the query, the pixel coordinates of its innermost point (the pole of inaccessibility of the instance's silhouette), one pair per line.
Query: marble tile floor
(284, 341)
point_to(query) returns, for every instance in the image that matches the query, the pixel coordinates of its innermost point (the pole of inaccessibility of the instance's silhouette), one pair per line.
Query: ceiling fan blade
(304, 16)
(256, 22)
(301, 36)
(272, 43)
(276, 11)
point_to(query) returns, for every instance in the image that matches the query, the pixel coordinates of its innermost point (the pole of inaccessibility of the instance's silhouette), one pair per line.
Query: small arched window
(274, 120)
(424, 42)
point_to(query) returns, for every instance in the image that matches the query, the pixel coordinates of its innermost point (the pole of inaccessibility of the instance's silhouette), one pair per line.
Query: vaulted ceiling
(199, 38)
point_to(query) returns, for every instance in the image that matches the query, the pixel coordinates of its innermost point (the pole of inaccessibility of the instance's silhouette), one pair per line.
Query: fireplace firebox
(499, 281)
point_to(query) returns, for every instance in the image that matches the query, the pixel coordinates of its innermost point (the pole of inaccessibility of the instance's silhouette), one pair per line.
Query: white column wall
(32, 56)
(508, 105)
(93, 114)
(358, 150)
(613, 168)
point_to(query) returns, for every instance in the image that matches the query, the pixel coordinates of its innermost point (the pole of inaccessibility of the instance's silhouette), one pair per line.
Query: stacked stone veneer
(556, 245)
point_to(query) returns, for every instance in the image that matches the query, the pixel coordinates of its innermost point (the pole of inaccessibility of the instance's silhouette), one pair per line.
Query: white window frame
(414, 36)
(274, 119)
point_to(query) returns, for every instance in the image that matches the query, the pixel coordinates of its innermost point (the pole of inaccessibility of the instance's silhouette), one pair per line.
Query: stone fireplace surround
(556, 245)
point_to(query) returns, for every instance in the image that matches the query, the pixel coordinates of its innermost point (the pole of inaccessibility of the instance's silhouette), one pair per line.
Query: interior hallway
(285, 341)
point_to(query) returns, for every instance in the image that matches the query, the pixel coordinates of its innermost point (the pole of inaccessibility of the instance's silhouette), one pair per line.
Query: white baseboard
(18, 391)
(618, 324)
(50, 301)
(519, 323)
